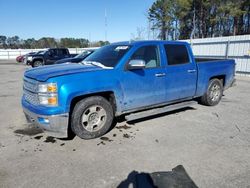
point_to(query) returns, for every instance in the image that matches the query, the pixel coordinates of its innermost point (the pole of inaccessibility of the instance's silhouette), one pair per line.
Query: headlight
(29, 58)
(47, 88)
(48, 99)
(47, 94)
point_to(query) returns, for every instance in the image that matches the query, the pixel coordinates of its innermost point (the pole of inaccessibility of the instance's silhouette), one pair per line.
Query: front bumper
(53, 125)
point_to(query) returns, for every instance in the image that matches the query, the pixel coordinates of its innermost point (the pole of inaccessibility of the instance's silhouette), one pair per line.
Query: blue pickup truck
(133, 79)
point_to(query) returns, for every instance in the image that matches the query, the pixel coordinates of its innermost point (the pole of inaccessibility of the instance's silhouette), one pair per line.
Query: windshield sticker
(121, 48)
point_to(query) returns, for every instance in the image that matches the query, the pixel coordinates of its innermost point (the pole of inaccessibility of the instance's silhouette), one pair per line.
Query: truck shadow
(176, 178)
(122, 118)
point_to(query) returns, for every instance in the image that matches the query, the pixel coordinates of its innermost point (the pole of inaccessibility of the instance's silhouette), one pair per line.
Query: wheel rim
(93, 118)
(38, 63)
(215, 92)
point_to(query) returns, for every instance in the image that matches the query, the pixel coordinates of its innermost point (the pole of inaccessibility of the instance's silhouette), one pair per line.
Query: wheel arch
(37, 59)
(222, 78)
(108, 95)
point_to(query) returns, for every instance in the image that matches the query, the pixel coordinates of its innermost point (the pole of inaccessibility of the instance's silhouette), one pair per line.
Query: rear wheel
(92, 117)
(37, 63)
(214, 93)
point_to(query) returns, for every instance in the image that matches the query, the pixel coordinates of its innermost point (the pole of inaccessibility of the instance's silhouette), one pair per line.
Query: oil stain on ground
(106, 139)
(101, 143)
(28, 131)
(38, 137)
(123, 127)
(103, 140)
(50, 139)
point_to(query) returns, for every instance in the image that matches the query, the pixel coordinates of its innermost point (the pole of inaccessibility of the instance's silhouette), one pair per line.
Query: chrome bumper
(53, 125)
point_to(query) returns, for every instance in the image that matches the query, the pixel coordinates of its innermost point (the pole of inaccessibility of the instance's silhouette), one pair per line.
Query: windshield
(40, 52)
(108, 55)
(83, 54)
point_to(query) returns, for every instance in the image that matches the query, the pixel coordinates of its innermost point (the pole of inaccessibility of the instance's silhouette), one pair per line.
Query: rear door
(181, 72)
(144, 87)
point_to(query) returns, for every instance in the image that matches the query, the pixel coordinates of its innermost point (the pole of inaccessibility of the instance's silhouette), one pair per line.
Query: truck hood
(46, 72)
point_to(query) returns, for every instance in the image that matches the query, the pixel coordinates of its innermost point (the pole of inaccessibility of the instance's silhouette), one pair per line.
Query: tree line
(15, 42)
(184, 19)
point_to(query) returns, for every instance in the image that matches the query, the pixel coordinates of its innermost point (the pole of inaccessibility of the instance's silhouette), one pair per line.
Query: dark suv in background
(49, 56)
(77, 58)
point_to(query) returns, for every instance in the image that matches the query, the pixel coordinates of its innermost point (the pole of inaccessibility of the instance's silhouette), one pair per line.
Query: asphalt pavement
(212, 145)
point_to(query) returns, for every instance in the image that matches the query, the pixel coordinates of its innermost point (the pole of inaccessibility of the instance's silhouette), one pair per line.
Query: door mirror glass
(50, 53)
(136, 64)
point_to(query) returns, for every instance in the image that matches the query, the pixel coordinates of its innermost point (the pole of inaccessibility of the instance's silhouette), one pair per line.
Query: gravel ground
(211, 143)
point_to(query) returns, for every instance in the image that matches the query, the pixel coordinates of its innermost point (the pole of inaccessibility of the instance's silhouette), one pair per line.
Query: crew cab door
(181, 72)
(145, 86)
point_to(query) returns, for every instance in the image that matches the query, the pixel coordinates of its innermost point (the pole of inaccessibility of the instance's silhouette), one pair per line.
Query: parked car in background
(77, 58)
(49, 57)
(20, 58)
(136, 79)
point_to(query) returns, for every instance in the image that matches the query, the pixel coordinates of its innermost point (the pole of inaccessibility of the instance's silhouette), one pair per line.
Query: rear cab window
(176, 54)
(62, 52)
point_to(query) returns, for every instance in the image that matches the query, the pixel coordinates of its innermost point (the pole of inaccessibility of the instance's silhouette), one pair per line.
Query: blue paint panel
(132, 89)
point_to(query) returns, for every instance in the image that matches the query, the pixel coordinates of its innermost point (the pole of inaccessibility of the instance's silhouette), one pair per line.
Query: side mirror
(136, 64)
(50, 53)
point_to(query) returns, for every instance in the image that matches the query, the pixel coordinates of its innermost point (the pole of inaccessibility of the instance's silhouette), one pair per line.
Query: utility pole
(194, 28)
(89, 39)
(106, 24)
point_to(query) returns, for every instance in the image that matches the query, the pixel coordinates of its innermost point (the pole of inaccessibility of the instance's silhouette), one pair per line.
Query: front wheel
(37, 63)
(92, 117)
(213, 94)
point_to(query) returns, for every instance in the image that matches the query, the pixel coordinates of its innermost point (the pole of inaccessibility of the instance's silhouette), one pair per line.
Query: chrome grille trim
(30, 97)
(30, 84)
(30, 91)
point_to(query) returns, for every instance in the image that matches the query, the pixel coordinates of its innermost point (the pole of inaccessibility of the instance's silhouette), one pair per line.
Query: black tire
(37, 63)
(79, 111)
(210, 98)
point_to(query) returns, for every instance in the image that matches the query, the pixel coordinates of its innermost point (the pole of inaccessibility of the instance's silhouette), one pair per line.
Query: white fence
(233, 47)
(13, 53)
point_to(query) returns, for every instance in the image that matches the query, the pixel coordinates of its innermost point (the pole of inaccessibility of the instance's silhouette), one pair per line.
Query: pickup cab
(48, 57)
(133, 79)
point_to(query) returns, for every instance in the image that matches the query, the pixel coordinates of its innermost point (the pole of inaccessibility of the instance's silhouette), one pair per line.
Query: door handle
(160, 74)
(191, 71)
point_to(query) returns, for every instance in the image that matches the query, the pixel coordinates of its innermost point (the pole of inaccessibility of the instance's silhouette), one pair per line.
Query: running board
(151, 112)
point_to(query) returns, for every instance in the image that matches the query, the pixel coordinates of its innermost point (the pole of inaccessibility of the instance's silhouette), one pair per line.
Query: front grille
(30, 91)
(30, 84)
(30, 97)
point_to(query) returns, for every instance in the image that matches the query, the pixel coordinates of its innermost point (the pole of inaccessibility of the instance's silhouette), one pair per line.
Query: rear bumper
(53, 125)
(232, 84)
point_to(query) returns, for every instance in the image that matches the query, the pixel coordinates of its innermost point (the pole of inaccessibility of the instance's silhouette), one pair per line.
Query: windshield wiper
(95, 63)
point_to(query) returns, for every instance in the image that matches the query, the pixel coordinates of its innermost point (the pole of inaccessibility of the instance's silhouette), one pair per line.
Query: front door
(144, 87)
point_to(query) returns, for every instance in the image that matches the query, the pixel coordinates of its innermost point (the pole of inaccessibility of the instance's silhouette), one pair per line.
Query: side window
(60, 52)
(176, 54)
(52, 52)
(149, 54)
(64, 52)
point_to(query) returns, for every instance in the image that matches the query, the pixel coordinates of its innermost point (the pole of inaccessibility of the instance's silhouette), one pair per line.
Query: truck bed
(209, 68)
(204, 60)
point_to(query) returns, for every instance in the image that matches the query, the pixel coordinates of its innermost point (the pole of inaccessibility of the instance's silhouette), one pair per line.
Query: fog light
(43, 120)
